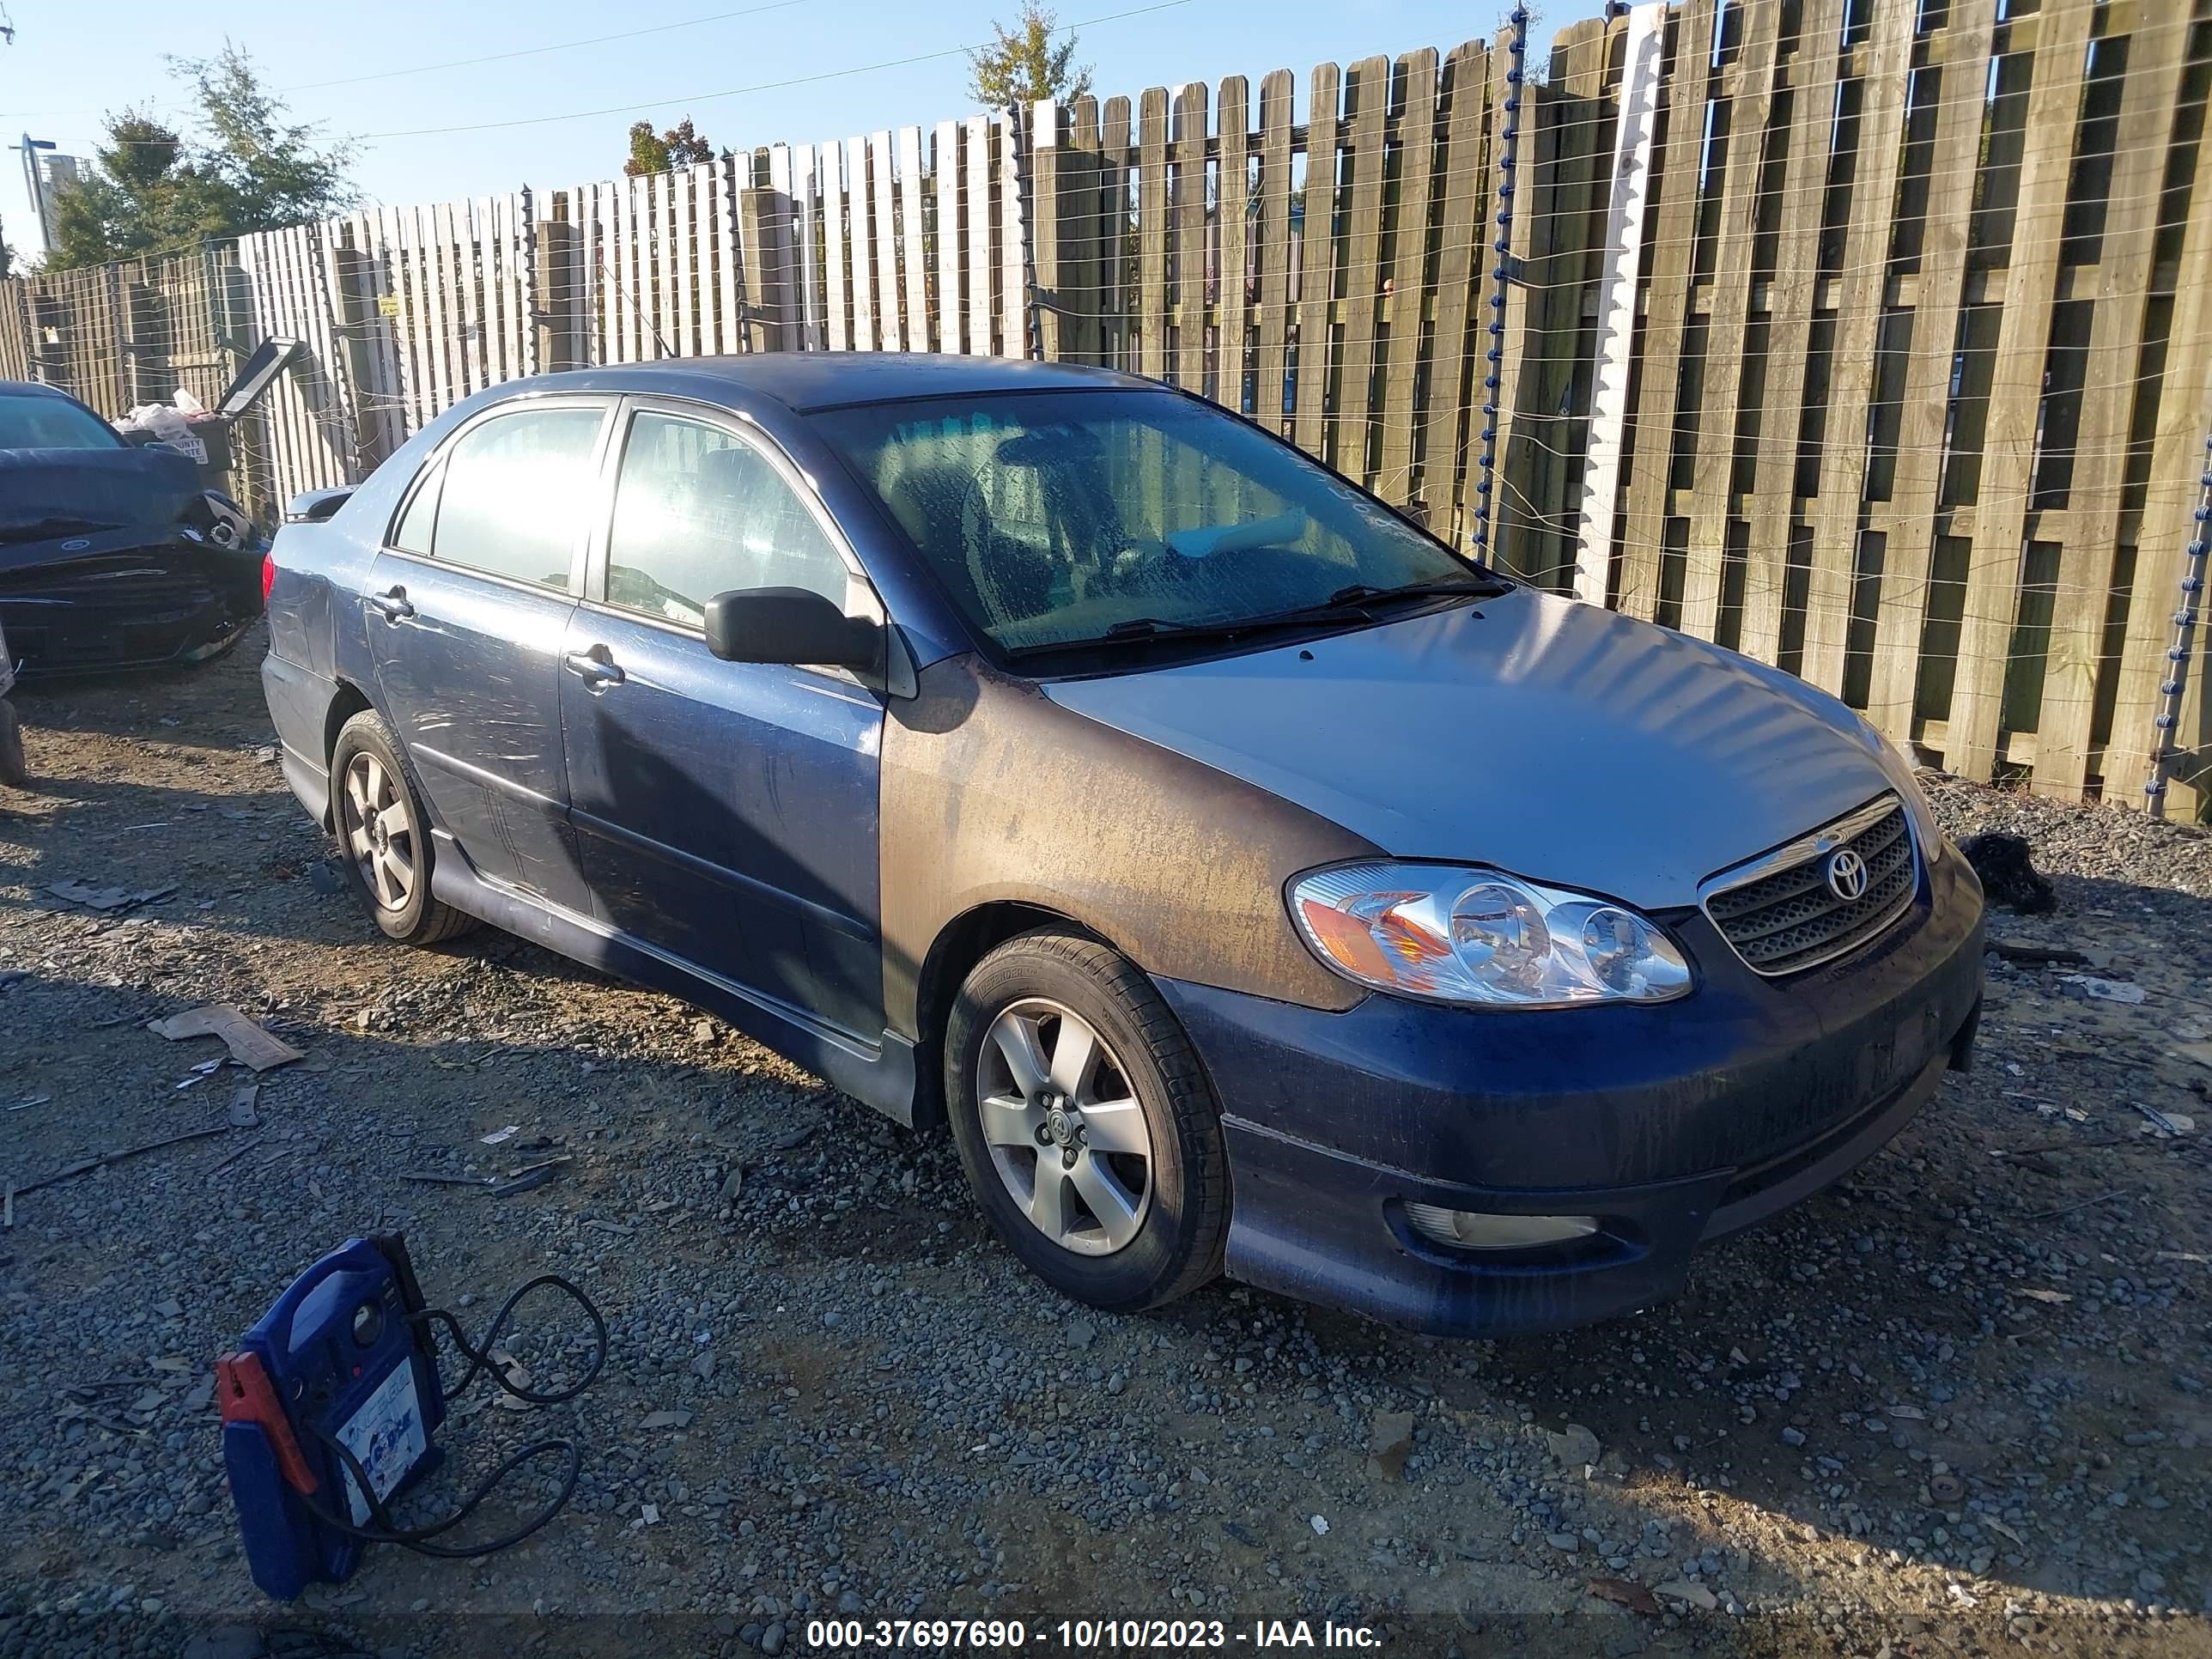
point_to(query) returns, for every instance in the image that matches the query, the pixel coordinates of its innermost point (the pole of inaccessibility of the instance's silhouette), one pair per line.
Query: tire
(1159, 1223)
(390, 872)
(15, 771)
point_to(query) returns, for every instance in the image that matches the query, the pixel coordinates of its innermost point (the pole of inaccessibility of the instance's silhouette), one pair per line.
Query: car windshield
(28, 420)
(1057, 519)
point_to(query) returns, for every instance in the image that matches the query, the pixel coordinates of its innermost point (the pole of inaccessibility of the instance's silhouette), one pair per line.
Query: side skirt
(882, 1077)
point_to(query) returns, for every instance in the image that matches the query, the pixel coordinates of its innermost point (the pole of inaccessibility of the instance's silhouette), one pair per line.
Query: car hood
(110, 492)
(1557, 741)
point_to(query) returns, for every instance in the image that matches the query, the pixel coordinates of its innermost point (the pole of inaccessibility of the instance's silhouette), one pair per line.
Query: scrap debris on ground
(1956, 1405)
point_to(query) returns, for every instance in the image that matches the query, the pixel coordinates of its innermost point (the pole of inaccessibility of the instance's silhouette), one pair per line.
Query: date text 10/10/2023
(1083, 1635)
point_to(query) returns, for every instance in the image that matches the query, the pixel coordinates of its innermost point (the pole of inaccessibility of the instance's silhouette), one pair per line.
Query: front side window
(1061, 518)
(699, 510)
(516, 491)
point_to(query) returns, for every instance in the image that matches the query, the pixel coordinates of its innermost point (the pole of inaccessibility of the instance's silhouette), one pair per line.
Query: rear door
(468, 606)
(725, 811)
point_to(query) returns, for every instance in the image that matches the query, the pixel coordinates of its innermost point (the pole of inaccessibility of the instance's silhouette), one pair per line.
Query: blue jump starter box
(337, 1361)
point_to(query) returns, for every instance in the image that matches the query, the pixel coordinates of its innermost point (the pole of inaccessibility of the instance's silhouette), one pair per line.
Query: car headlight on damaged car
(1453, 934)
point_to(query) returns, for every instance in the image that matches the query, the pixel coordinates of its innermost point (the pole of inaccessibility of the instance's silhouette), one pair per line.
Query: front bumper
(163, 604)
(1673, 1124)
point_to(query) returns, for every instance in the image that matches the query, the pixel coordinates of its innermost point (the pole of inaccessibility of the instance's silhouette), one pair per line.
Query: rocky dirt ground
(1956, 1405)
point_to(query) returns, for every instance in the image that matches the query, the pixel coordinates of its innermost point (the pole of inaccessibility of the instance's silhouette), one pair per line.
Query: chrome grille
(1780, 912)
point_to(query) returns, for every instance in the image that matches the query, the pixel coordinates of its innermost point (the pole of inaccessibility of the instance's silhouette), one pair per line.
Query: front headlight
(1460, 935)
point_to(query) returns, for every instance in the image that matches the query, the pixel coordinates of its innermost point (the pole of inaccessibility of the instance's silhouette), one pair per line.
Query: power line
(461, 63)
(540, 51)
(764, 86)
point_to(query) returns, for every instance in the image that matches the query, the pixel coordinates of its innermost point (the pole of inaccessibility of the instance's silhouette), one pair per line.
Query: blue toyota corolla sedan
(1249, 882)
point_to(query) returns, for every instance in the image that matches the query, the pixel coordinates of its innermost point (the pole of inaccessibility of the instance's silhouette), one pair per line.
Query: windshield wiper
(1360, 595)
(1347, 604)
(1151, 630)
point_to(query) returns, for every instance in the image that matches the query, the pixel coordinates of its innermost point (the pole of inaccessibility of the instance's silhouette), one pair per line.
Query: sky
(717, 61)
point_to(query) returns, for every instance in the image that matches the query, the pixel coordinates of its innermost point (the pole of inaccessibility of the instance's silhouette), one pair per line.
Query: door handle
(393, 607)
(594, 670)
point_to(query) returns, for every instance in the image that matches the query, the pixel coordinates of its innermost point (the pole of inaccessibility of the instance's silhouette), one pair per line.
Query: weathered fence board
(1946, 195)
(1738, 155)
(1861, 286)
(1674, 186)
(1899, 347)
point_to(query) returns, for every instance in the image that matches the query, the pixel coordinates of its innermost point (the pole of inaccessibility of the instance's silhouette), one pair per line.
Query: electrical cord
(382, 1528)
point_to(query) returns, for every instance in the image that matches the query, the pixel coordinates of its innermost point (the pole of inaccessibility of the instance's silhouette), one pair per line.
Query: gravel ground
(1957, 1404)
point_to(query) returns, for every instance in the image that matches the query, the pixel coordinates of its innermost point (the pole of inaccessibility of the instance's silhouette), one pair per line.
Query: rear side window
(698, 512)
(515, 493)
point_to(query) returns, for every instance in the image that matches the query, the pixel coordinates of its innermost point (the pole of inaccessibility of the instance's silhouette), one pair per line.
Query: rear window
(30, 421)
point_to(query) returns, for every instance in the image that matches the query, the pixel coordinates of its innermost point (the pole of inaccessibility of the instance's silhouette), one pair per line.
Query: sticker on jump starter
(386, 1434)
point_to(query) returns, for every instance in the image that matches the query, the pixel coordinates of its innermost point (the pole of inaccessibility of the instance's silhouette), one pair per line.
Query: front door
(467, 614)
(725, 811)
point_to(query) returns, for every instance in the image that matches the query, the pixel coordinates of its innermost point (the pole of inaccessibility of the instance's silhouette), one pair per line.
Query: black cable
(480, 1360)
(383, 1529)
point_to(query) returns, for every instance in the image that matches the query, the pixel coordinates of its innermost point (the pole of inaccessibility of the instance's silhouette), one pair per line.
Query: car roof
(32, 389)
(807, 381)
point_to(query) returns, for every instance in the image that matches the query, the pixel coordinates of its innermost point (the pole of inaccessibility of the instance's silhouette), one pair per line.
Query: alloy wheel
(376, 832)
(1064, 1130)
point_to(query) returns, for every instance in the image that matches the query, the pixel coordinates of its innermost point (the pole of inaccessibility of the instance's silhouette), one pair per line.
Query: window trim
(741, 427)
(435, 465)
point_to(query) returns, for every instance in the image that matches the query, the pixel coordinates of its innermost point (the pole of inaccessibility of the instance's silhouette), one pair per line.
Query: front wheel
(1085, 1124)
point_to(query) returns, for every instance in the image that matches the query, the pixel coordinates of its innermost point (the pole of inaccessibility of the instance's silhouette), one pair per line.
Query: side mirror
(791, 625)
(316, 505)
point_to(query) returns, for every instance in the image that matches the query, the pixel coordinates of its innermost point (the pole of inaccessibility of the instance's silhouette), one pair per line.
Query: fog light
(1471, 1229)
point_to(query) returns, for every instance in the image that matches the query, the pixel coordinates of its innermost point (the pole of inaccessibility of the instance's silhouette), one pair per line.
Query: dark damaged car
(112, 555)
(1250, 882)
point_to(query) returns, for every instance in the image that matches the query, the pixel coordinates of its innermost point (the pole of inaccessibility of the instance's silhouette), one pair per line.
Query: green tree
(140, 194)
(679, 146)
(1023, 64)
(276, 171)
(152, 188)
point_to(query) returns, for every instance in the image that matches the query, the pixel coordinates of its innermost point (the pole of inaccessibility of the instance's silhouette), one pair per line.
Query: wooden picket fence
(120, 334)
(1869, 337)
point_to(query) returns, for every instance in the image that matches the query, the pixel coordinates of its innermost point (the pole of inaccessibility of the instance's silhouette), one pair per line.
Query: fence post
(1053, 232)
(231, 321)
(553, 303)
(1081, 236)
(1559, 190)
(765, 221)
(1620, 270)
(357, 317)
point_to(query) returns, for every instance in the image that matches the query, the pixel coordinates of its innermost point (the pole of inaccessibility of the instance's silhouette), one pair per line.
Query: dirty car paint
(1557, 741)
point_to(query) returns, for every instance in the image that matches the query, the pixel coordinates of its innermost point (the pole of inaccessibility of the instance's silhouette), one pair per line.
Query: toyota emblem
(77, 546)
(1847, 875)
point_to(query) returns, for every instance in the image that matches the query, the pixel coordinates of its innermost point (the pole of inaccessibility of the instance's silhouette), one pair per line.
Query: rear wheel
(1085, 1124)
(384, 837)
(15, 771)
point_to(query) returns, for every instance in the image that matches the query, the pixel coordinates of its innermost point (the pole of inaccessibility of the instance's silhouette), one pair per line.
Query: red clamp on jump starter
(330, 1408)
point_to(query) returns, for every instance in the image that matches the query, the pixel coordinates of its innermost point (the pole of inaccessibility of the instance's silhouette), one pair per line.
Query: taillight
(267, 577)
